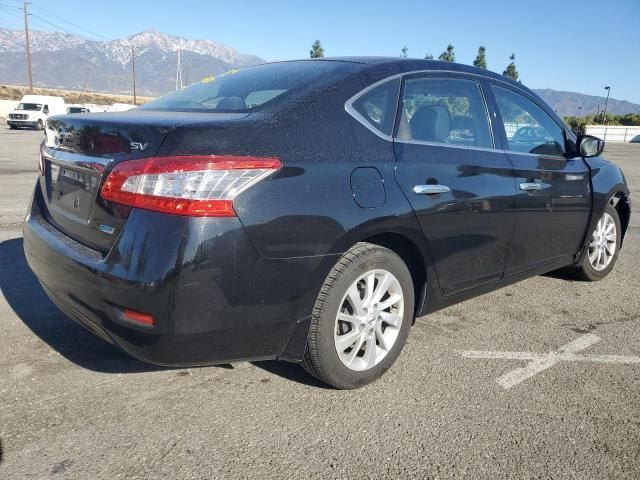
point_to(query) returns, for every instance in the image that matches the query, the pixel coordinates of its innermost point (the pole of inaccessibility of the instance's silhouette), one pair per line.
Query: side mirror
(589, 146)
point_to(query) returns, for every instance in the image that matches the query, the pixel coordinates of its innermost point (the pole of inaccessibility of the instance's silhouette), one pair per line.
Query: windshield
(250, 88)
(29, 106)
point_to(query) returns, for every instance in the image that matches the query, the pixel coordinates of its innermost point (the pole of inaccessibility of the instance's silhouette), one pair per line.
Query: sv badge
(138, 145)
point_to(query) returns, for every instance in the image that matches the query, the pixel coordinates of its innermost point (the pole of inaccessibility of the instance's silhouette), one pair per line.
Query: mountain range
(569, 103)
(72, 62)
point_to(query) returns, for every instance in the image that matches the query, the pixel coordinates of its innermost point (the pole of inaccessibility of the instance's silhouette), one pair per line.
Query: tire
(12, 127)
(586, 269)
(40, 125)
(378, 331)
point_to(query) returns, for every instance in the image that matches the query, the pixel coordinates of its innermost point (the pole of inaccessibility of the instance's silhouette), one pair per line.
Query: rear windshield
(250, 88)
(29, 106)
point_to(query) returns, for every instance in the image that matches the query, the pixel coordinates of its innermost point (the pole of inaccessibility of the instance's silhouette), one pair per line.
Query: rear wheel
(604, 246)
(40, 125)
(361, 318)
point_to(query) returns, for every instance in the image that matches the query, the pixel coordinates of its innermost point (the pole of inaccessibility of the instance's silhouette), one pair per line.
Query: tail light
(200, 186)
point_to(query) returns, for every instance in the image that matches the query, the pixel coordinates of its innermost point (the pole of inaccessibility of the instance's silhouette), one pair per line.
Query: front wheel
(361, 318)
(604, 246)
(40, 125)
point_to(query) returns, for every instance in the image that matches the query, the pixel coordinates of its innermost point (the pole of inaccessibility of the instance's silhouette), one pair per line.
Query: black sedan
(310, 210)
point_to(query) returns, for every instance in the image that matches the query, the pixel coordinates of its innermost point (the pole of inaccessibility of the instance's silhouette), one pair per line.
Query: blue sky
(579, 45)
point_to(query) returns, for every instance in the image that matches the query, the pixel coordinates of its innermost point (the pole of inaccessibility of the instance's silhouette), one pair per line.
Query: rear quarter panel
(303, 217)
(307, 208)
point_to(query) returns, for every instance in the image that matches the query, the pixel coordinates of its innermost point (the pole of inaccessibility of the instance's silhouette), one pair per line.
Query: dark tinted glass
(378, 106)
(250, 88)
(529, 129)
(444, 110)
(29, 106)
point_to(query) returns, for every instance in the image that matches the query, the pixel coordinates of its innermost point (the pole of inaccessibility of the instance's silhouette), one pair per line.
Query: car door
(553, 192)
(460, 186)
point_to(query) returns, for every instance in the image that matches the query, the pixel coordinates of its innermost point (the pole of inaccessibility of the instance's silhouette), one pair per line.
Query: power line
(16, 12)
(69, 22)
(41, 19)
(14, 22)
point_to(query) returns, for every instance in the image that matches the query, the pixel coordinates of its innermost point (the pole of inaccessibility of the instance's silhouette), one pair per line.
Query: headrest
(231, 103)
(431, 123)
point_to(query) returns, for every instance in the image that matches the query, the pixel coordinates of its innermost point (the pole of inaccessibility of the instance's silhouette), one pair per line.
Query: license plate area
(72, 190)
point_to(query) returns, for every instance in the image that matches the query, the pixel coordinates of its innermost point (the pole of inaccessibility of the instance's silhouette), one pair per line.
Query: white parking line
(538, 362)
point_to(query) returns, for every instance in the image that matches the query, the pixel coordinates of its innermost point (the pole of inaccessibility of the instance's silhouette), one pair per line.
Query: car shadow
(290, 371)
(564, 274)
(26, 298)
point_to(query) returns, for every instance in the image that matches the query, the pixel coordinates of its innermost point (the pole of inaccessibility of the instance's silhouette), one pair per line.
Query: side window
(45, 109)
(378, 106)
(444, 110)
(529, 129)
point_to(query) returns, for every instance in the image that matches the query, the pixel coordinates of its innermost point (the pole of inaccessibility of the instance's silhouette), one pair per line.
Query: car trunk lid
(80, 150)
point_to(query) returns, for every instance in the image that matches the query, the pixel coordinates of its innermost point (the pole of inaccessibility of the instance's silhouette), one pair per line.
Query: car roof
(407, 65)
(387, 66)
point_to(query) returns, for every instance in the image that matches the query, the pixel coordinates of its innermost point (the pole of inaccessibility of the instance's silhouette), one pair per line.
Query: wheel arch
(413, 257)
(621, 202)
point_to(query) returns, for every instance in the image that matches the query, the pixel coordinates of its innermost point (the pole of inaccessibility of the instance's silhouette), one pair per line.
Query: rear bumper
(212, 296)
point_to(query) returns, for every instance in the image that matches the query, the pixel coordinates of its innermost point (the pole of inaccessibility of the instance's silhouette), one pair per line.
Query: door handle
(430, 189)
(531, 186)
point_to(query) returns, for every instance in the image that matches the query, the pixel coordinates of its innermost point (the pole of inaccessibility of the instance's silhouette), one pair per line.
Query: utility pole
(133, 73)
(179, 74)
(604, 115)
(28, 48)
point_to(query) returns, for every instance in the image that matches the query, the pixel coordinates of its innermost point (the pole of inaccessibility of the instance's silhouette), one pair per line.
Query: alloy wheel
(602, 246)
(369, 320)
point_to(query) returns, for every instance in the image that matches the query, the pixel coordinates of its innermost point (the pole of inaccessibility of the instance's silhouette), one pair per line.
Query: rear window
(251, 88)
(378, 106)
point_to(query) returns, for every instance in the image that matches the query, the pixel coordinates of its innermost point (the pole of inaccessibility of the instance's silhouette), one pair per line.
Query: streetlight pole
(604, 115)
(133, 73)
(28, 46)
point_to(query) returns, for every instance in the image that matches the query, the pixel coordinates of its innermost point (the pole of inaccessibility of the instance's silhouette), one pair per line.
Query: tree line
(575, 122)
(579, 124)
(447, 56)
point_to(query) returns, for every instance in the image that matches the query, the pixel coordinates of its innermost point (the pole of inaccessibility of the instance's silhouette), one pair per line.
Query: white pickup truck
(33, 111)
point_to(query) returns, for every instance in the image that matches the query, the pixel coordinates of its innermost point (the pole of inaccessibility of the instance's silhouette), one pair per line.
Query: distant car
(531, 134)
(33, 111)
(77, 110)
(310, 210)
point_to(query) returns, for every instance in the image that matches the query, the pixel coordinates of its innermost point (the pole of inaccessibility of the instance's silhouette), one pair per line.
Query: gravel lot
(73, 406)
